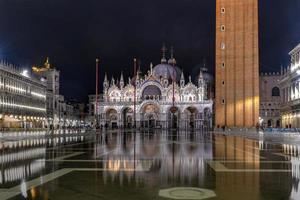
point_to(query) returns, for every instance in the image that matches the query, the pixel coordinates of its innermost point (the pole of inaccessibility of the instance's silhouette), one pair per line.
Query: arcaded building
(22, 98)
(290, 89)
(163, 99)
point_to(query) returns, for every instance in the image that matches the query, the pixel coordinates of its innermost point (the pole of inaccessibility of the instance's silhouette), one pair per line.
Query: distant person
(257, 127)
(223, 128)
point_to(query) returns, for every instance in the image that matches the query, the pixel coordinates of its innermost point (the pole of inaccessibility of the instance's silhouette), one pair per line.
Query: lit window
(222, 45)
(223, 64)
(223, 28)
(223, 10)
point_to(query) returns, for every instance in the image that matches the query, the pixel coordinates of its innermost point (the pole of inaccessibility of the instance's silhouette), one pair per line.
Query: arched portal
(278, 123)
(207, 115)
(173, 117)
(127, 115)
(111, 118)
(151, 92)
(270, 123)
(190, 116)
(150, 116)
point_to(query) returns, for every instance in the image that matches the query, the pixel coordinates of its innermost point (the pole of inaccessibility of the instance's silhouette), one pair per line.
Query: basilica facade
(161, 98)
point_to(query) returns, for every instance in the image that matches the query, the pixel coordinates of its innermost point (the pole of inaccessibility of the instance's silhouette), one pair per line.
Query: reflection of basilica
(163, 99)
(182, 159)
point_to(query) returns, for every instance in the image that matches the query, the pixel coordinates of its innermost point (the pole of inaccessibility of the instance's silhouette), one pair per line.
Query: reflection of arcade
(25, 159)
(18, 164)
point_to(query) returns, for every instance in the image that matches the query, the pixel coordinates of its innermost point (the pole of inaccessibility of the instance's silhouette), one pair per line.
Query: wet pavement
(149, 165)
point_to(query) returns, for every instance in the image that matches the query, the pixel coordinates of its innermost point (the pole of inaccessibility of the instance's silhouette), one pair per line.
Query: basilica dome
(167, 70)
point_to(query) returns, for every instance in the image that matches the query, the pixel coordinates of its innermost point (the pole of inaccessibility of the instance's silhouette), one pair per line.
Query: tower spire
(182, 80)
(112, 81)
(151, 68)
(163, 51)
(47, 63)
(172, 60)
(122, 80)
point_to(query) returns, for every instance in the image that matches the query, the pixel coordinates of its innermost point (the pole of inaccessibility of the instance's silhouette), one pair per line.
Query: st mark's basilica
(164, 99)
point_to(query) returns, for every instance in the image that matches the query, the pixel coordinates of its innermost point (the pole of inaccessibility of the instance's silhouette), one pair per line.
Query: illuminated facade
(237, 66)
(290, 89)
(270, 99)
(54, 100)
(59, 112)
(22, 99)
(154, 105)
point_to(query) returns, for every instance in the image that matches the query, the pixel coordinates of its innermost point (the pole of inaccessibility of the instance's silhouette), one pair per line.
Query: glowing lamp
(25, 73)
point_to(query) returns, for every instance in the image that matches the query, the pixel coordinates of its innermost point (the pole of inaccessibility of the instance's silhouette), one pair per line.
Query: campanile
(237, 63)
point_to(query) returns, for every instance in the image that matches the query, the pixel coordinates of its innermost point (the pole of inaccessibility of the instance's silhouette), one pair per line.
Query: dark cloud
(74, 32)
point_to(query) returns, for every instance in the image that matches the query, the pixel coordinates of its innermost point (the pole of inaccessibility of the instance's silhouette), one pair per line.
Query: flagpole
(134, 101)
(96, 98)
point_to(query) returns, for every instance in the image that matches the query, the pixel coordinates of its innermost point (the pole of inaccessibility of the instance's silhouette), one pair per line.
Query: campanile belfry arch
(237, 63)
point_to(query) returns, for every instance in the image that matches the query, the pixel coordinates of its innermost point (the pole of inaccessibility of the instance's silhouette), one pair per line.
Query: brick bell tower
(237, 63)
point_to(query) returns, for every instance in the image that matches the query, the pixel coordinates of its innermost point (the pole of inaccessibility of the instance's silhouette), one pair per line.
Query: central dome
(167, 70)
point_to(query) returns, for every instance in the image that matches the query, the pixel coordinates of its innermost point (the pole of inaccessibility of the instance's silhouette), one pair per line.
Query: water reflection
(256, 169)
(179, 157)
(25, 158)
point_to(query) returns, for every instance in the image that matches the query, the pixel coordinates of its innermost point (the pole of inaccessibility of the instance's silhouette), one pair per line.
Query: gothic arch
(275, 92)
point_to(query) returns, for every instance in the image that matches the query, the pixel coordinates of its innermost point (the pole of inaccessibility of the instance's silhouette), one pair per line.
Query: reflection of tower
(237, 75)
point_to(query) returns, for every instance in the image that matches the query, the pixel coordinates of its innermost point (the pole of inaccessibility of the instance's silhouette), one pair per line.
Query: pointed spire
(164, 51)
(151, 68)
(112, 81)
(47, 63)
(105, 82)
(122, 80)
(138, 75)
(172, 60)
(105, 77)
(200, 74)
(190, 79)
(200, 79)
(182, 80)
(204, 68)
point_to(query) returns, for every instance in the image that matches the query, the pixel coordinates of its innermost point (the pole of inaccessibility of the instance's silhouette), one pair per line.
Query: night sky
(74, 32)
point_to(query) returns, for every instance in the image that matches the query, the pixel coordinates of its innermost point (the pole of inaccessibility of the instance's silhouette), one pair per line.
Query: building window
(223, 83)
(275, 92)
(223, 101)
(223, 64)
(222, 10)
(223, 28)
(222, 45)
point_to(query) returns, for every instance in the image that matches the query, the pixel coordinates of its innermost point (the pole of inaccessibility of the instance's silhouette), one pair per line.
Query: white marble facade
(154, 100)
